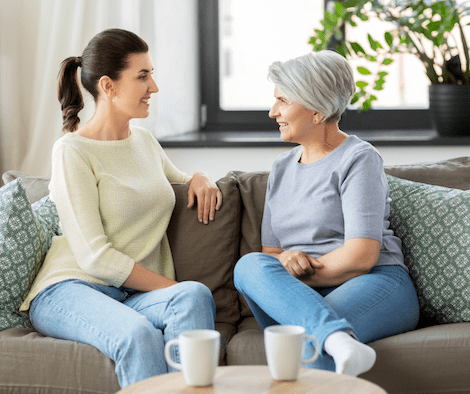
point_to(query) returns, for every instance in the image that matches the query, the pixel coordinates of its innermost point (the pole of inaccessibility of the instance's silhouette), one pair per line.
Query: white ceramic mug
(199, 355)
(284, 350)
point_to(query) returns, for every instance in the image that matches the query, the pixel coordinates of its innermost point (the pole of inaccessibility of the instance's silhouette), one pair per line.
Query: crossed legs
(370, 307)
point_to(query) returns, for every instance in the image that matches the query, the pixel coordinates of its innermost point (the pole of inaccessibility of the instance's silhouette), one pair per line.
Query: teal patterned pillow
(433, 223)
(26, 233)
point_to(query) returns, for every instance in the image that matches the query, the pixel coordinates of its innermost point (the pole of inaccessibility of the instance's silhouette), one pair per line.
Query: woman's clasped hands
(299, 264)
(209, 197)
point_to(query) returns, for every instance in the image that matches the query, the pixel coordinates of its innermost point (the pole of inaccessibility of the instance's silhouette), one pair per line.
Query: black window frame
(213, 118)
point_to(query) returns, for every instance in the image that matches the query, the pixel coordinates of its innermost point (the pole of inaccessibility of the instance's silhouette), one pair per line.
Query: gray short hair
(320, 81)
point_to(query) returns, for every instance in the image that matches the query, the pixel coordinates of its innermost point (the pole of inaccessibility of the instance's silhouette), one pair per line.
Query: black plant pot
(449, 108)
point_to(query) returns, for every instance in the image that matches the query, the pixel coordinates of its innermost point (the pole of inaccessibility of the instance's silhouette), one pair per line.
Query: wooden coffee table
(254, 380)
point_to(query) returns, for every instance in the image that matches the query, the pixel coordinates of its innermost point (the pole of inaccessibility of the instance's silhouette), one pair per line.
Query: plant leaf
(361, 84)
(363, 71)
(366, 105)
(388, 38)
(357, 48)
(372, 42)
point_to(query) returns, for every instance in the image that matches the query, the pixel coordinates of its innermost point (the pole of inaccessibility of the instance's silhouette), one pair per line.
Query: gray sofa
(434, 358)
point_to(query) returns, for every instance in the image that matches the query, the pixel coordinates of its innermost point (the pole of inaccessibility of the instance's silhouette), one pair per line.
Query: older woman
(329, 260)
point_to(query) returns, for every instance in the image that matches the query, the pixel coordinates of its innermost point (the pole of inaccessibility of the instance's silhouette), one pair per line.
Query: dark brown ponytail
(106, 54)
(70, 96)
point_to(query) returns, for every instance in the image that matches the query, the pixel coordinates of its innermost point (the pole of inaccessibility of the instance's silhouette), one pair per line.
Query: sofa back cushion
(208, 253)
(453, 173)
(36, 187)
(252, 188)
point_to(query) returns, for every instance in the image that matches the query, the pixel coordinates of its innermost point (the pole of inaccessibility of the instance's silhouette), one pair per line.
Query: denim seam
(398, 284)
(169, 303)
(176, 348)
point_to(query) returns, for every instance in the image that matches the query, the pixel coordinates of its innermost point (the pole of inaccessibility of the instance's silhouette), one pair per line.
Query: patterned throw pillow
(433, 223)
(26, 233)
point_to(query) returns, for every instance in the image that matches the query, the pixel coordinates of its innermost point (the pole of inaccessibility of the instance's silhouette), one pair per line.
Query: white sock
(351, 356)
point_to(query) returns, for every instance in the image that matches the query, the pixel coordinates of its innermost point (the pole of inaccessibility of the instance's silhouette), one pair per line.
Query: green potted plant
(433, 30)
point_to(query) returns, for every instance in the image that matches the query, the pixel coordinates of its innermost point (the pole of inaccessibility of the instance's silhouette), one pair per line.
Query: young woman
(329, 261)
(109, 279)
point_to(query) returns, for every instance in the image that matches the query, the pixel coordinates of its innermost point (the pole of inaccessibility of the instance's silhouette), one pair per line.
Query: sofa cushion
(252, 189)
(36, 187)
(252, 186)
(26, 233)
(433, 223)
(208, 253)
(33, 364)
(453, 173)
(428, 360)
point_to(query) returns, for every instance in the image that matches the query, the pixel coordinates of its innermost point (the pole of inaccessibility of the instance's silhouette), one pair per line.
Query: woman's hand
(356, 257)
(299, 264)
(142, 279)
(208, 195)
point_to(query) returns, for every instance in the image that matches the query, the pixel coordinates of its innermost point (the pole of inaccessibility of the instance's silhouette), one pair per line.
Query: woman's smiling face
(134, 87)
(294, 119)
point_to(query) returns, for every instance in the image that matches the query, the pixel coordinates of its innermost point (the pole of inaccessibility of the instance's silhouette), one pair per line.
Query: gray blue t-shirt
(315, 207)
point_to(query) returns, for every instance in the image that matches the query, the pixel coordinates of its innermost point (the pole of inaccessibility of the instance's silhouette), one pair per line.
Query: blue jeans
(373, 306)
(128, 326)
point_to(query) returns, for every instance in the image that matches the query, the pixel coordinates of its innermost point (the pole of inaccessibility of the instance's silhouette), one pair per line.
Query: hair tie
(79, 61)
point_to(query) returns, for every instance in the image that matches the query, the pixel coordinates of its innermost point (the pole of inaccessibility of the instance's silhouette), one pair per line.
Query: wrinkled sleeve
(364, 193)
(73, 189)
(268, 239)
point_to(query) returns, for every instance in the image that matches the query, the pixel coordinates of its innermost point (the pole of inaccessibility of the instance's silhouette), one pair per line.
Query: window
(407, 83)
(245, 53)
(239, 39)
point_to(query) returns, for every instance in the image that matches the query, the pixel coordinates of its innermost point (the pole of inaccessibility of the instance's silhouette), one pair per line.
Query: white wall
(218, 161)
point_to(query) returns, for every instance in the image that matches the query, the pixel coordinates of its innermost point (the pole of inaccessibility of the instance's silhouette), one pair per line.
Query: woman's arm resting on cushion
(356, 257)
(208, 195)
(142, 279)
